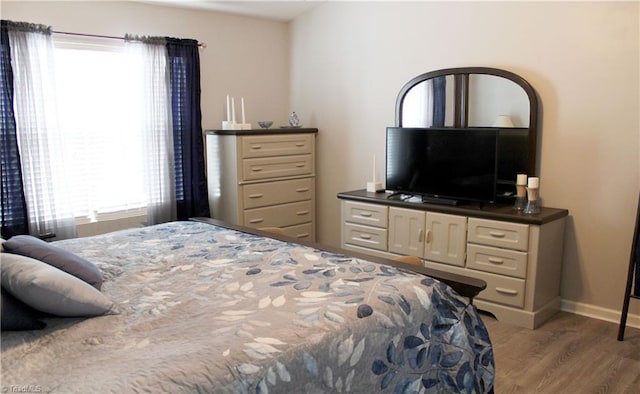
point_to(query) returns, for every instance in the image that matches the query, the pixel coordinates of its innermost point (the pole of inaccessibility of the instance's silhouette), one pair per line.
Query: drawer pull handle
(366, 214)
(365, 236)
(299, 165)
(420, 235)
(256, 169)
(299, 144)
(303, 235)
(497, 234)
(427, 236)
(302, 189)
(300, 213)
(255, 147)
(256, 195)
(506, 291)
(496, 260)
(259, 220)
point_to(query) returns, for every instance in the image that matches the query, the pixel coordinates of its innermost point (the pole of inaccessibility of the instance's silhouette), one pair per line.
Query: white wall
(350, 59)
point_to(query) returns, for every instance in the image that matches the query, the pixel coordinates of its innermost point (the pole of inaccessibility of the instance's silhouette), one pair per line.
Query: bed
(202, 307)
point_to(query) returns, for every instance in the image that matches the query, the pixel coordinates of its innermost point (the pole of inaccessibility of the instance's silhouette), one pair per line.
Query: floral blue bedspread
(202, 308)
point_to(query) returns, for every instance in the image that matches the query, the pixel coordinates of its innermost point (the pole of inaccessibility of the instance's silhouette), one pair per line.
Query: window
(100, 106)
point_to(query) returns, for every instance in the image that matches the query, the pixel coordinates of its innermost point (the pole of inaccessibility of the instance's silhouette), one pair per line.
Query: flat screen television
(512, 158)
(448, 164)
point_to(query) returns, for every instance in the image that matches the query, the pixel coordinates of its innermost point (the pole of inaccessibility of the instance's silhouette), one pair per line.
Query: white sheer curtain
(149, 57)
(420, 112)
(49, 209)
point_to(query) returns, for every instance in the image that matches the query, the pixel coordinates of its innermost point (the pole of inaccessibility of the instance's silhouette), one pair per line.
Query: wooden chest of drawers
(261, 178)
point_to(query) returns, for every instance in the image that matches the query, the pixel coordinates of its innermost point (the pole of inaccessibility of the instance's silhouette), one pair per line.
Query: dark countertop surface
(484, 211)
(275, 130)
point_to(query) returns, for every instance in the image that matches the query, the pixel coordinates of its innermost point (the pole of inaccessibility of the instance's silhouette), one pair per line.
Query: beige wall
(244, 56)
(349, 60)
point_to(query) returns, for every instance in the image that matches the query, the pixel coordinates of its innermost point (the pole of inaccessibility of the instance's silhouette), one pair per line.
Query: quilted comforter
(202, 308)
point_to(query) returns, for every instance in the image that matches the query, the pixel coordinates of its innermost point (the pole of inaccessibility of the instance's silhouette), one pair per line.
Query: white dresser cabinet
(430, 235)
(519, 256)
(263, 178)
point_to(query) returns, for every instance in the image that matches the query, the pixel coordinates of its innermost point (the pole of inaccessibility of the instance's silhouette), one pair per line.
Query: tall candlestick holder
(521, 193)
(230, 123)
(533, 200)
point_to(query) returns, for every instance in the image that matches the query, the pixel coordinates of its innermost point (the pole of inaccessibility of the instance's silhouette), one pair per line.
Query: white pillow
(49, 289)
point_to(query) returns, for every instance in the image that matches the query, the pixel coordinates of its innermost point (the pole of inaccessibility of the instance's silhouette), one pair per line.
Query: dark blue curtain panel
(13, 206)
(191, 181)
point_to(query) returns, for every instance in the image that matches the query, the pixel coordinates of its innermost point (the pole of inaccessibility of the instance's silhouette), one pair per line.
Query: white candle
(522, 179)
(228, 110)
(233, 110)
(242, 104)
(533, 183)
(374, 168)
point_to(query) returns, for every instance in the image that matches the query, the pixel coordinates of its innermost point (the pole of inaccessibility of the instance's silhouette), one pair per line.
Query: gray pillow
(70, 263)
(1, 242)
(48, 289)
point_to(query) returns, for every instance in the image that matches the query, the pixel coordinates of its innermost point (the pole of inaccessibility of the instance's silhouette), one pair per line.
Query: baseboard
(596, 312)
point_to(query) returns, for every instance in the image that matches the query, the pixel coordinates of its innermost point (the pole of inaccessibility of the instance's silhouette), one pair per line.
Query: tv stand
(420, 198)
(439, 200)
(519, 256)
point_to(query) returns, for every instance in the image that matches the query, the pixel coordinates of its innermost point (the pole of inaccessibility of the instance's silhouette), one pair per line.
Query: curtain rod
(200, 44)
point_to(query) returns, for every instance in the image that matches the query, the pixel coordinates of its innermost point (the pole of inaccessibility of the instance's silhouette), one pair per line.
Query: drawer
(276, 145)
(502, 289)
(276, 167)
(501, 234)
(367, 214)
(284, 215)
(368, 237)
(496, 260)
(304, 231)
(279, 192)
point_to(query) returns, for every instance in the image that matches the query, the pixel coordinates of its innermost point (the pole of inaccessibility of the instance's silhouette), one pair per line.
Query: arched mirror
(477, 97)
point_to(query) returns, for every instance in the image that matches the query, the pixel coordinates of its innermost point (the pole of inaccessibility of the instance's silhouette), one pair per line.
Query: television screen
(458, 164)
(512, 157)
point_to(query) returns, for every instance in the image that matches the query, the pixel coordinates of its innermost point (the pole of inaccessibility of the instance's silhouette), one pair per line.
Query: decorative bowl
(265, 124)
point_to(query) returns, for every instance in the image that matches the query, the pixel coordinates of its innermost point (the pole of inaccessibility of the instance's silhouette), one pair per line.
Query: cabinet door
(406, 231)
(446, 238)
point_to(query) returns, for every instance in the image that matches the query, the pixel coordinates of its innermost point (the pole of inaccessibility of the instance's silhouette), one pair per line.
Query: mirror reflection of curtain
(420, 112)
(439, 100)
(428, 104)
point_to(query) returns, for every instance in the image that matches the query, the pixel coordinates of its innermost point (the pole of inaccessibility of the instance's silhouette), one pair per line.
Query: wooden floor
(567, 354)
